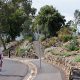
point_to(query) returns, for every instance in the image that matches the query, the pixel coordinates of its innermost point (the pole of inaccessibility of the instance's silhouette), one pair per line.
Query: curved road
(48, 72)
(13, 70)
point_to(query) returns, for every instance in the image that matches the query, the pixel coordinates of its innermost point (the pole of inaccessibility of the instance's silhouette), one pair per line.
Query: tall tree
(49, 20)
(33, 12)
(77, 20)
(77, 17)
(13, 14)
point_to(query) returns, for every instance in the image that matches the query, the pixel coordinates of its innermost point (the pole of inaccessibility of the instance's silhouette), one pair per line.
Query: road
(13, 70)
(47, 71)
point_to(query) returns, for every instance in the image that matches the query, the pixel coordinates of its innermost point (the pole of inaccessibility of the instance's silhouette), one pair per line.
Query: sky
(65, 7)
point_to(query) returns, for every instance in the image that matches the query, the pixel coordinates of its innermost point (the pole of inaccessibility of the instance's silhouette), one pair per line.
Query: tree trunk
(3, 43)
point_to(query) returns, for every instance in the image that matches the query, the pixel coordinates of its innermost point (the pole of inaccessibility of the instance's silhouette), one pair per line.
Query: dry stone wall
(61, 62)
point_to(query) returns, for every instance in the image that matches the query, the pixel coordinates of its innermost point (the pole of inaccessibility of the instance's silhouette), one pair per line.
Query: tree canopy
(49, 20)
(77, 16)
(14, 14)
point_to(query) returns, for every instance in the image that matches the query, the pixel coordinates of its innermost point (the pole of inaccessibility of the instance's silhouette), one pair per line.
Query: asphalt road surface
(13, 70)
(48, 72)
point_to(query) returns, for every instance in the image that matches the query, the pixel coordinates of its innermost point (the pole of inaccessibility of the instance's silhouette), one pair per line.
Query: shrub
(42, 37)
(22, 50)
(64, 34)
(73, 46)
(50, 42)
(28, 37)
(77, 59)
(19, 51)
(67, 38)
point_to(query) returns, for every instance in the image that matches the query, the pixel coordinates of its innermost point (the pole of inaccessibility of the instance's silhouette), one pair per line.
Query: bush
(77, 59)
(64, 34)
(51, 41)
(73, 46)
(67, 38)
(19, 51)
(42, 37)
(29, 38)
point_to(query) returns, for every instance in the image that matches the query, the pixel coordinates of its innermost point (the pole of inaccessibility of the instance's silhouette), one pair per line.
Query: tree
(11, 19)
(77, 17)
(33, 11)
(26, 26)
(13, 14)
(49, 20)
(76, 21)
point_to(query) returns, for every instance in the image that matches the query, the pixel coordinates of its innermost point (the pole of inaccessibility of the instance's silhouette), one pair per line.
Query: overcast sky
(65, 7)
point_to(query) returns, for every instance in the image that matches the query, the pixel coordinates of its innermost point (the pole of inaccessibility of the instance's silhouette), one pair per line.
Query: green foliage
(50, 42)
(19, 51)
(73, 46)
(11, 19)
(26, 26)
(22, 50)
(74, 29)
(49, 20)
(14, 14)
(66, 38)
(42, 38)
(33, 11)
(28, 37)
(65, 34)
(77, 59)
